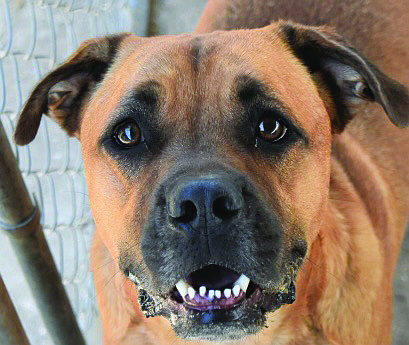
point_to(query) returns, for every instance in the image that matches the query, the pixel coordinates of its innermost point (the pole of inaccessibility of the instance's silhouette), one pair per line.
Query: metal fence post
(11, 330)
(20, 220)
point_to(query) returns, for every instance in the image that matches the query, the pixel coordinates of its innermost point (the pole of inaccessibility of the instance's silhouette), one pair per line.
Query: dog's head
(207, 159)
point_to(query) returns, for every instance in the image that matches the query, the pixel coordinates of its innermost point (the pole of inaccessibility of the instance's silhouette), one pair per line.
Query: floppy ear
(348, 77)
(63, 92)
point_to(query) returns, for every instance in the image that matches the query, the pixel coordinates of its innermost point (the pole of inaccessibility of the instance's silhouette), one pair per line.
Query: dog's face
(207, 161)
(212, 171)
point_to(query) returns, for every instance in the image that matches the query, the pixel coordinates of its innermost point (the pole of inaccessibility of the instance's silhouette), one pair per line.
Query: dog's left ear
(349, 78)
(63, 93)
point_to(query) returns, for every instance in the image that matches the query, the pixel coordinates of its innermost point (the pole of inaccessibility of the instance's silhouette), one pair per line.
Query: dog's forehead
(195, 72)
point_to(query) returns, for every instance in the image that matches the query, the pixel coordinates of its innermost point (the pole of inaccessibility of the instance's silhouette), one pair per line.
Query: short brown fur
(346, 194)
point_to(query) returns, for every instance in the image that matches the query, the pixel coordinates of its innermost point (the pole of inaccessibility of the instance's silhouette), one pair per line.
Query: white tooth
(243, 281)
(133, 277)
(182, 287)
(191, 292)
(227, 293)
(236, 290)
(218, 294)
(211, 295)
(202, 291)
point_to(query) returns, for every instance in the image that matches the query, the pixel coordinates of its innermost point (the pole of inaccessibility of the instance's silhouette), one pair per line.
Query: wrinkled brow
(247, 88)
(251, 93)
(144, 96)
(142, 99)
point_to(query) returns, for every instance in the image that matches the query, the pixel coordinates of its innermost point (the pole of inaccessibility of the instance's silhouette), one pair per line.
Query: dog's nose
(209, 199)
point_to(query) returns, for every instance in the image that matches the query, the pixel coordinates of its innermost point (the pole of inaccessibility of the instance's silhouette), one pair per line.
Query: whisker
(115, 258)
(320, 267)
(109, 280)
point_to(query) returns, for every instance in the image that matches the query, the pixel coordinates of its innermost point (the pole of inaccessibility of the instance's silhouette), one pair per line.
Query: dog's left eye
(128, 134)
(270, 129)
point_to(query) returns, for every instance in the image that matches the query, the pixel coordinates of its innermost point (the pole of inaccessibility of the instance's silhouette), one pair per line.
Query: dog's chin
(244, 319)
(218, 318)
(223, 324)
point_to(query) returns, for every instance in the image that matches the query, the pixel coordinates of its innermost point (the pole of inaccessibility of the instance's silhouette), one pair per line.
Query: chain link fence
(35, 36)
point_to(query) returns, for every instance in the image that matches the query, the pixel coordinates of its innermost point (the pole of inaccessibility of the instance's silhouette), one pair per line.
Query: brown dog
(226, 168)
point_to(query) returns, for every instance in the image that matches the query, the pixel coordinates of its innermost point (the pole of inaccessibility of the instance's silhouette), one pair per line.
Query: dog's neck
(346, 257)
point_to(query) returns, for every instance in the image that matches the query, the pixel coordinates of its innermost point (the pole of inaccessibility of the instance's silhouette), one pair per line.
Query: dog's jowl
(251, 184)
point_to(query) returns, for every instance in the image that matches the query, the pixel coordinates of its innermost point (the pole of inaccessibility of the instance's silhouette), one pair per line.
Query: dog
(249, 181)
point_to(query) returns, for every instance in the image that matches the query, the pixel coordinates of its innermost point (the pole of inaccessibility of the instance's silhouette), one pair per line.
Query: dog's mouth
(213, 288)
(215, 295)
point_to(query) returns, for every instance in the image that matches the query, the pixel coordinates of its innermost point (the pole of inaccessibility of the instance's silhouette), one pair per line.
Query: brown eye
(271, 129)
(128, 134)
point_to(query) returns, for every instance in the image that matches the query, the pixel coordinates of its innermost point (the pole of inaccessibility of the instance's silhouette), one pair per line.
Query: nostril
(188, 212)
(223, 209)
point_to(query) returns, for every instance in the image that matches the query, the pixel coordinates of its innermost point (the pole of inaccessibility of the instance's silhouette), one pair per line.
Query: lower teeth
(217, 299)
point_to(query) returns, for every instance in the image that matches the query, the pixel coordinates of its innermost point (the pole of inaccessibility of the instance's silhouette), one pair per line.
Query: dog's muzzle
(213, 256)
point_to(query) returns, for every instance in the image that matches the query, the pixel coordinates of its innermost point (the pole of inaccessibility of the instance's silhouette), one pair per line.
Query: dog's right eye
(128, 134)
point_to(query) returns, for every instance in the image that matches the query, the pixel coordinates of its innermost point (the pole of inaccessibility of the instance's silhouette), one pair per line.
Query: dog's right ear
(348, 78)
(63, 92)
